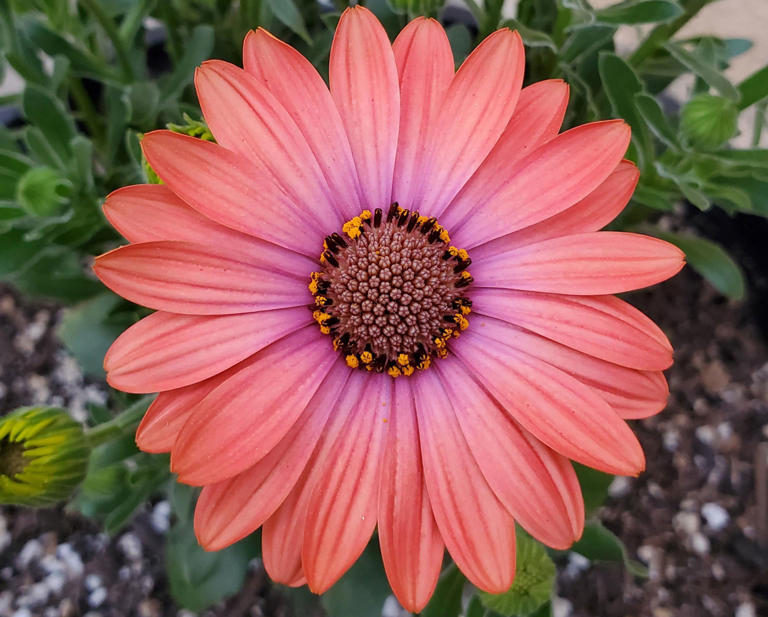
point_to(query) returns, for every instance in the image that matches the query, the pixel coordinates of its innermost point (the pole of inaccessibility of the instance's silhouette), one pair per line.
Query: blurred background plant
(96, 74)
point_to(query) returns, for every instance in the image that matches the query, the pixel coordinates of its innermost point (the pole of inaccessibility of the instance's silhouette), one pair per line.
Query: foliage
(97, 74)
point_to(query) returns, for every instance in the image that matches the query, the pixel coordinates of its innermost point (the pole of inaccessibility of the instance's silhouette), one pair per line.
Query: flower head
(461, 343)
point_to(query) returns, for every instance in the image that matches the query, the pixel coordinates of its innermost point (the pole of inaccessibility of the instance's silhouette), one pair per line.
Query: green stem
(661, 34)
(757, 133)
(126, 420)
(111, 30)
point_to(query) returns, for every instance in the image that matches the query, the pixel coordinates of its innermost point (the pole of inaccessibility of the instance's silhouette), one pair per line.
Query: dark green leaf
(87, 331)
(446, 601)
(47, 113)
(621, 85)
(754, 88)
(17, 252)
(656, 119)
(362, 590)
(707, 72)
(57, 275)
(639, 12)
(585, 40)
(40, 148)
(599, 544)
(594, 486)
(198, 48)
(709, 260)
(461, 42)
(533, 584)
(287, 12)
(530, 36)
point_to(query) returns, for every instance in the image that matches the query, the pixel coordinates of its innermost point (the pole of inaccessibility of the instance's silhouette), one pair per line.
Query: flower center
(12, 461)
(391, 292)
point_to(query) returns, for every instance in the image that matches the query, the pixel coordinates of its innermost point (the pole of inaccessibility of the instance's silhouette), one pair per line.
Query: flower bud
(43, 456)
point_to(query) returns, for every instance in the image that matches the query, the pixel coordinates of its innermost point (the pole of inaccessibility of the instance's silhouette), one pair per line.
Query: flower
(438, 405)
(43, 456)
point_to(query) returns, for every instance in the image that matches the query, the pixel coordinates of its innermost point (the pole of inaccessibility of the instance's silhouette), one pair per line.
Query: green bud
(42, 191)
(709, 121)
(43, 456)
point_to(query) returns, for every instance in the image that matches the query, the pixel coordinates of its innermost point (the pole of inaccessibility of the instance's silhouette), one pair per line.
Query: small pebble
(392, 608)
(130, 545)
(620, 487)
(55, 582)
(160, 519)
(5, 536)
(717, 516)
(561, 607)
(22, 612)
(745, 609)
(92, 581)
(700, 544)
(687, 523)
(706, 434)
(96, 597)
(72, 561)
(30, 552)
(577, 563)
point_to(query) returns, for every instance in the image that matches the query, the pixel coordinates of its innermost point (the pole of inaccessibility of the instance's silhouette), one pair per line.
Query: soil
(691, 518)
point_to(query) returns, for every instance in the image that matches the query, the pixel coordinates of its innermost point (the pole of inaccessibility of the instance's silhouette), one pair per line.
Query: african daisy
(461, 343)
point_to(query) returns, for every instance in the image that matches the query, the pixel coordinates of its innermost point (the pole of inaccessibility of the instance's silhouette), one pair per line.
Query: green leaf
(460, 40)
(656, 120)
(621, 85)
(709, 260)
(585, 40)
(17, 252)
(12, 166)
(639, 12)
(754, 88)
(42, 191)
(57, 275)
(446, 601)
(198, 578)
(287, 12)
(708, 121)
(45, 112)
(594, 486)
(533, 584)
(87, 331)
(707, 72)
(599, 544)
(531, 37)
(198, 48)
(362, 590)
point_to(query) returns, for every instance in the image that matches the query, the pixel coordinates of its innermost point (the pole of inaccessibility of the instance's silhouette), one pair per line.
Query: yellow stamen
(366, 357)
(402, 359)
(352, 361)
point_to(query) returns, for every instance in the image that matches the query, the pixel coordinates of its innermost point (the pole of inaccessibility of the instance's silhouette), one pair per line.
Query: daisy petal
(363, 79)
(601, 326)
(537, 119)
(246, 118)
(166, 416)
(566, 415)
(232, 509)
(411, 546)
(196, 279)
(425, 66)
(547, 181)
(230, 190)
(165, 351)
(298, 86)
(476, 109)
(240, 421)
(343, 506)
(550, 509)
(603, 262)
(593, 212)
(631, 393)
(478, 531)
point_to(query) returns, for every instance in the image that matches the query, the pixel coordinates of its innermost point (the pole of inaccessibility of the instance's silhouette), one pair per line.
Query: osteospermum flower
(461, 343)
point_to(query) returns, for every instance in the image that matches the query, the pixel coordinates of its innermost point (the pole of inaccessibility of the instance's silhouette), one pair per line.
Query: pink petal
(593, 212)
(601, 326)
(234, 508)
(283, 535)
(566, 415)
(631, 393)
(603, 262)
(170, 410)
(248, 119)
(537, 119)
(363, 79)
(476, 109)
(195, 279)
(240, 421)
(343, 506)
(150, 212)
(425, 65)
(230, 190)
(478, 531)
(537, 486)
(544, 183)
(291, 78)
(411, 546)
(165, 351)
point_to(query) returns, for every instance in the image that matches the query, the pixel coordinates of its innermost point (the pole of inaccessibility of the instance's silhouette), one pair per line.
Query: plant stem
(126, 420)
(661, 34)
(88, 112)
(757, 133)
(111, 30)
